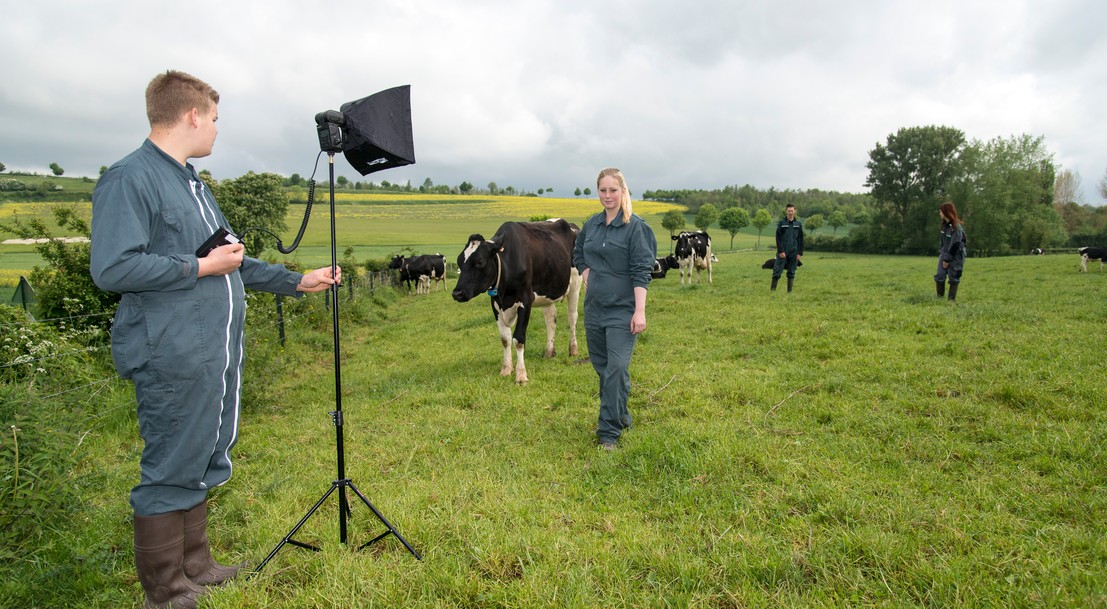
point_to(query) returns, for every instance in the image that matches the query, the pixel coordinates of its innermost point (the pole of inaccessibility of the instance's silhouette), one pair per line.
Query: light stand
(331, 140)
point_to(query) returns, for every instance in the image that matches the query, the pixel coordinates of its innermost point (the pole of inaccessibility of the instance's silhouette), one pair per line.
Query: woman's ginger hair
(173, 93)
(950, 212)
(624, 203)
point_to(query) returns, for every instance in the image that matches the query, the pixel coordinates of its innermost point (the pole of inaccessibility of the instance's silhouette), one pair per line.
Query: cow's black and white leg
(520, 339)
(572, 300)
(504, 322)
(550, 313)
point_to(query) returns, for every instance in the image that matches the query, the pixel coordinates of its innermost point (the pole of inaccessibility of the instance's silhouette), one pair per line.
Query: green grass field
(857, 443)
(381, 226)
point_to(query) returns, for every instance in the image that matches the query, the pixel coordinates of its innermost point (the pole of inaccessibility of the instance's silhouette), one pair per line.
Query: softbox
(378, 131)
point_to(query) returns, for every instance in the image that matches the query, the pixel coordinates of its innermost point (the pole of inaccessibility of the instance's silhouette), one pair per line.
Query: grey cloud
(701, 94)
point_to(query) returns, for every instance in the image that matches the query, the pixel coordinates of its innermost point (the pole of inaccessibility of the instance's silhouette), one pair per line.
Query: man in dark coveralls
(789, 246)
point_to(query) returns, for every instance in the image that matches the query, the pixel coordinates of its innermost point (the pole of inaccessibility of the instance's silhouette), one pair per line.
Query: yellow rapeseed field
(476, 207)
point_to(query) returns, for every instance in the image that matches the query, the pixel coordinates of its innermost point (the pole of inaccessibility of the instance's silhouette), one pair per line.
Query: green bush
(64, 289)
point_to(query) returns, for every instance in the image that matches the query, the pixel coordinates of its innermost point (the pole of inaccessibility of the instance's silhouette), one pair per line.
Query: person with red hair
(951, 251)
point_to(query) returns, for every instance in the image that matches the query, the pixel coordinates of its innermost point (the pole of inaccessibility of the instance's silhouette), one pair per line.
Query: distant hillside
(33, 187)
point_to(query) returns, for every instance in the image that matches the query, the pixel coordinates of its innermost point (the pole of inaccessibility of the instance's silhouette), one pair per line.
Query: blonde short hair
(173, 93)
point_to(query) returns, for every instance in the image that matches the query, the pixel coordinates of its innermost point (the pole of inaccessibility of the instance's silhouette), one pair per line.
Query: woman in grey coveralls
(951, 251)
(614, 254)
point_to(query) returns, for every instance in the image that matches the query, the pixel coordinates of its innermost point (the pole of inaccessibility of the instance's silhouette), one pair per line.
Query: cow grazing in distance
(693, 251)
(421, 269)
(1092, 253)
(524, 265)
(661, 266)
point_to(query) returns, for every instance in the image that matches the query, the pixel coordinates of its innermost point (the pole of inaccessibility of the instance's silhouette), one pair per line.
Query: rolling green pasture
(857, 443)
(375, 226)
(382, 226)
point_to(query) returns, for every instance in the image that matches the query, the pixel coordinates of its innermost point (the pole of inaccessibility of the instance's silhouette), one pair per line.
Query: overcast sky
(544, 93)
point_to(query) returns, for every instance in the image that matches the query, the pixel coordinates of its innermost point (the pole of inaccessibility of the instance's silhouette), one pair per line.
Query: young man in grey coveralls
(178, 331)
(614, 254)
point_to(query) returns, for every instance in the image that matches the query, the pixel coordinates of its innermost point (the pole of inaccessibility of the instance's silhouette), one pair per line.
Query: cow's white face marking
(472, 247)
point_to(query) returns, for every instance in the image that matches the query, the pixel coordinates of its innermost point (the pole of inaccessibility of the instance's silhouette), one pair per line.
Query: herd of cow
(530, 264)
(527, 265)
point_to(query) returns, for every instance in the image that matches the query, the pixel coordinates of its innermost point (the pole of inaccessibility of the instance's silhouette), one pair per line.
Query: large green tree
(253, 200)
(733, 220)
(761, 219)
(911, 174)
(1006, 196)
(672, 221)
(706, 216)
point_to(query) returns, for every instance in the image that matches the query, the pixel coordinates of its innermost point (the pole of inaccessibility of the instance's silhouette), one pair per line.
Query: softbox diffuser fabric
(378, 131)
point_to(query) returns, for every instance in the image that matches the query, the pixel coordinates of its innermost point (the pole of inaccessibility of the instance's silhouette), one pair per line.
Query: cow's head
(690, 244)
(397, 262)
(476, 267)
(661, 266)
(658, 270)
(684, 244)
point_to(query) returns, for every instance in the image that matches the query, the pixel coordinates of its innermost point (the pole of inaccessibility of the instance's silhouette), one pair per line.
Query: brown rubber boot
(159, 556)
(199, 566)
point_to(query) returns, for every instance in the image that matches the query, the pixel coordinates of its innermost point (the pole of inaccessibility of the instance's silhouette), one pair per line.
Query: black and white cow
(524, 265)
(661, 266)
(693, 251)
(422, 269)
(1092, 253)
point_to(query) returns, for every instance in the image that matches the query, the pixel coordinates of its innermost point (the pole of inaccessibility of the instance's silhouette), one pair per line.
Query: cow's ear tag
(493, 292)
(501, 249)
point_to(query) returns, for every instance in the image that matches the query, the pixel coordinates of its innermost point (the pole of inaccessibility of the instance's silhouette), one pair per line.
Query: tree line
(1010, 192)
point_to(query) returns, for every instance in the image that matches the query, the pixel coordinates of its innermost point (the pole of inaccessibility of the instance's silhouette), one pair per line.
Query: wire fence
(33, 355)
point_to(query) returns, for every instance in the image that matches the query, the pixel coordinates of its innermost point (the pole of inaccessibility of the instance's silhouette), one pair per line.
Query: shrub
(64, 289)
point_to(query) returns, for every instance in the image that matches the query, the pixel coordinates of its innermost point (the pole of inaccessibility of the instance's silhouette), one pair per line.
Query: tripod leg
(391, 529)
(288, 538)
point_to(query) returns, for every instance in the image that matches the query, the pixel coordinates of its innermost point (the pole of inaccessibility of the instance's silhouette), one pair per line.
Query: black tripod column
(341, 482)
(339, 444)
